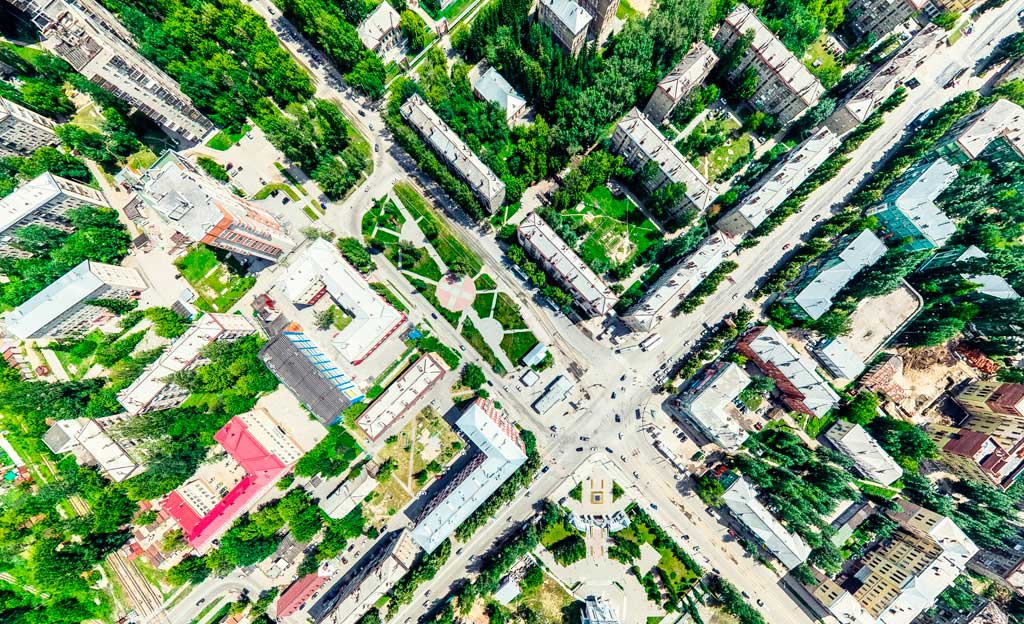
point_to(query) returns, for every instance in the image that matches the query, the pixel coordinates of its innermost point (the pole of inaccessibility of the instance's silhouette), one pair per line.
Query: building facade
(709, 404)
(591, 294)
(996, 131)
(97, 46)
(602, 12)
(382, 34)
(568, 21)
(93, 443)
(684, 77)
(785, 88)
(64, 307)
(802, 389)
(22, 131)
(977, 456)
(881, 17)
(741, 501)
(44, 200)
(868, 457)
(492, 87)
(639, 142)
(205, 211)
(995, 408)
(908, 211)
(487, 187)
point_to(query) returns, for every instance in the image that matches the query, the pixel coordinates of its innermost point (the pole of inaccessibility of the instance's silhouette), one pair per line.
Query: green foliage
(732, 601)
(861, 409)
(706, 287)
(356, 254)
(947, 19)
(569, 550)
(331, 456)
(710, 490)
(386, 469)
(576, 493)
(213, 168)
(472, 376)
(424, 569)
(415, 30)
(906, 443)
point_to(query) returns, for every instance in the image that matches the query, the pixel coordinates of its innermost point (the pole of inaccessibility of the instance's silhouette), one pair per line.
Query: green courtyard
(219, 286)
(611, 229)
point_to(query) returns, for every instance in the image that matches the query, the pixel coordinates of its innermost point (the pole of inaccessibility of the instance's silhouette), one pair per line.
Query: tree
(946, 19)
(355, 252)
(472, 376)
(191, 569)
(833, 324)
(862, 409)
(386, 470)
(414, 29)
(747, 84)
(213, 168)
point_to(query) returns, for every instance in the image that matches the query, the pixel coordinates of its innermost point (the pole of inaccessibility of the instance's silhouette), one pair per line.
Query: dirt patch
(871, 329)
(928, 372)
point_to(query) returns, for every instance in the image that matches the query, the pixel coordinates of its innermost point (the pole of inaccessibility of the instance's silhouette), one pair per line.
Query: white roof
(75, 287)
(871, 460)
(452, 149)
(39, 192)
(1002, 118)
(19, 112)
(775, 55)
(645, 135)
(493, 88)
(338, 499)
(835, 350)
(673, 286)
(87, 438)
(373, 319)
(771, 347)
(816, 297)
(180, 355)
(502, 453)
(917, 202)
(568, 267)
(993, 286)
(389, 408)
(573, 16)
(536, 354)
(597, 610)
(508, 591)
(383, 20)
(688, 72)
(558, 390)
(741, 499)
(778, 183)
(711, 405)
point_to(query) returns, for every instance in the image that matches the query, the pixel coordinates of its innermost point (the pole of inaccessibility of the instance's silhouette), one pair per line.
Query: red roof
(299, 592)
(261, 467)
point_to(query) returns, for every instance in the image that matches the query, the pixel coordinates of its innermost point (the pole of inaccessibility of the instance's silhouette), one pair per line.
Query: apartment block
(995, 408)
(887, 78)
(298, 593)
(569, 22)
(369, 578)
(602, 12)
(788, 548)
(391, 410)
(775, 185)
(487, 187)
(44, 200)
(589, 291)
(677, 84)
(802, 389)
(900, 577)
(812, 295)
(785, 88)
(381, 33)
(977, 456)
(492, 87)
(153, 389)
(868, 457)
(709, 403)
(206, 211)
(22, 131)
(639, 142)
(672, 287)
(64, 307)
(908, 211)
(93, 443)
(881, 17)
(97, 46)
(996, 131)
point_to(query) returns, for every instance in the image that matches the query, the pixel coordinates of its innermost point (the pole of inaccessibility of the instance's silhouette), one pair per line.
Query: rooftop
(689, 71)
(597, 610)
(38, 192)
(493, 88)
(741, 499)
(816, 297)
(839, 356)
(771, 347)
(389, 408)
(710, 403)
(917, 202)
(1001, 119)
(873, 462)
(377, 24)
(573, 16)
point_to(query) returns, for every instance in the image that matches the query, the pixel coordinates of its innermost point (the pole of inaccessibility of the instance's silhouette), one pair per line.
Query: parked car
(579, 449)
(584, 439)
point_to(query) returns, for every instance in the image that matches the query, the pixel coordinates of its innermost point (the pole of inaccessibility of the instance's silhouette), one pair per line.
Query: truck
(650, 342)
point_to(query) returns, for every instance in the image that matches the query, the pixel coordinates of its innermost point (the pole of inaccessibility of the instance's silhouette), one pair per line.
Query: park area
(716, 145)
(611, 229)
(215, 277)
(677, 571)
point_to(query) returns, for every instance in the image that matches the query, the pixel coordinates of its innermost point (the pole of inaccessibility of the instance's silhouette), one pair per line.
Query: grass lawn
(288, 176)
(483, 304)
(484, 282)
(453, 10)
(618, 229)
(548, 601)
(429, 292)
(423, 265)
(505, 214)
(217, 288)
(224, 140)
(507, 313)
(476, 340)
(313, 216)
(717, 163)
(389, 296)
(675, 569)
(518, 344)
(828, 70)
(265, 192)
(451, 250)
(142, 159)
(625, 11)
(556, 532)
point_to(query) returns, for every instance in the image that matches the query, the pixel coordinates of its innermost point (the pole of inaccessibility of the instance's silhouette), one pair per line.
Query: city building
(382, 34)
(838, 359)
(260, 450)
(639, 142)
(1005, 566)
(153, 390)
(886, 378)
(389, 411)
(812, 295)
(603, 12)
(492, 87)
(489, 190)
(321, 270)
(63, 308)
(880, 17)
(785, 88)
(977, 456)
(997, 131)
(591, 294)
(313, 377)
(366, 581)
(887, 78)
(93, 443)
(45, 200)
(22, 131)
(97, 46)
(673, 286)
(709, 403)
(337, 499)
(788, 548)
(298, 593)
(775, 185)
(868, 457)
(536, 355)
(908, 211)
(597, 610)
(568, 21)
(995, 408)
(899, 577)
(677, 84)
(206, 211)
(802, 389)
(501, 453)
(556, 391)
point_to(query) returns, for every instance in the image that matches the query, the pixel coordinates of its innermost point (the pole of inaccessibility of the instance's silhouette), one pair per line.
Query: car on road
(786, 246)
(362, 113)
(579, 449)
(376, 147)
(620, 435)
(654, 506)
(201, 601)
(584, 439)
(613, 395)
(745, 594)
(618, 418)
(545, 468)
(609, 449)
(636, 475)
(553, 429)
(760, 602)
(458, 552)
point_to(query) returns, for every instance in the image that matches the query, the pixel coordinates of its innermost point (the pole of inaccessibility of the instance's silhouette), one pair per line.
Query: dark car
(618, 418)
(579, 449)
